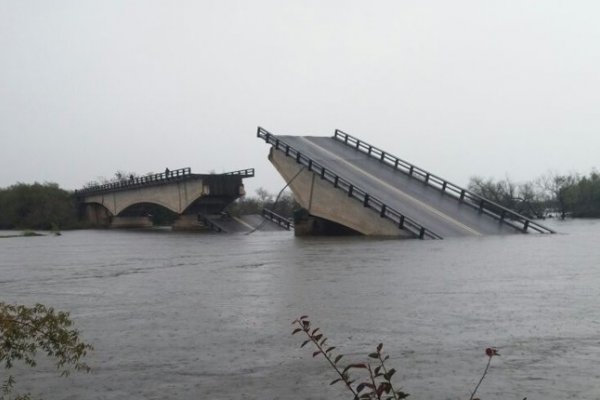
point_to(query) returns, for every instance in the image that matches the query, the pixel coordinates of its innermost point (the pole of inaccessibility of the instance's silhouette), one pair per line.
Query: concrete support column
(188, 222)
(309, 225)
(131, 222)
(96, 215)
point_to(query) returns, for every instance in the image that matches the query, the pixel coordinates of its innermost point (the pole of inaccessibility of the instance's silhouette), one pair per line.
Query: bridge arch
(142, 206)
(176, 196)
(187, 195)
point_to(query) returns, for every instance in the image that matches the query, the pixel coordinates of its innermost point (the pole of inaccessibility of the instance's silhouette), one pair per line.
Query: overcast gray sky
(461, 88)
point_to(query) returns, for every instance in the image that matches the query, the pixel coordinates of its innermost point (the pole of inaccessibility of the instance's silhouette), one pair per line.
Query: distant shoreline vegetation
(26, 233)
(550, 195)
(37, 206)
(48, 207)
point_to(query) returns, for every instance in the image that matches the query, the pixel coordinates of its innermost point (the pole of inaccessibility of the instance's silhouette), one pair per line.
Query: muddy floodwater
(208, 316)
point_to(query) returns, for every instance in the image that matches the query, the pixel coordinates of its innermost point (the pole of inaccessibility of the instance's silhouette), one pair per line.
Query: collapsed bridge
(347, 185)
(194, 198)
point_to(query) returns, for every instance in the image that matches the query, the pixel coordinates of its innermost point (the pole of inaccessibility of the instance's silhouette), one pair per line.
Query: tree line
(47, 206)
(552, 194)
(37, 206)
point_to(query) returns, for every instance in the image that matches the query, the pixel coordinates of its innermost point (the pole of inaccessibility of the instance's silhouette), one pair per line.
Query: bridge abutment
(96, 215)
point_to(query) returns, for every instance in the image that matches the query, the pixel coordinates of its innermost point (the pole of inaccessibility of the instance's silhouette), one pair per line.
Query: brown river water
(208, 316)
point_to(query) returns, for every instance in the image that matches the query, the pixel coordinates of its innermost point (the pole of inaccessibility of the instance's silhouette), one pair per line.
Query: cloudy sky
(462, 88)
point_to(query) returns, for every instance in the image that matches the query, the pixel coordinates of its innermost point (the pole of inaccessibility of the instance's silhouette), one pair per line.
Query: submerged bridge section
(345, 182)
(191, 197)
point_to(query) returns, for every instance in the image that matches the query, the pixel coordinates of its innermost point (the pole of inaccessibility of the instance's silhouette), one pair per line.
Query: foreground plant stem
(490, 352)
(382, 362)
(305, 327)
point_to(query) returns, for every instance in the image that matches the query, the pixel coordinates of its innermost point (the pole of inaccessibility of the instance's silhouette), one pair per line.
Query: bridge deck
(435, 211)
(439, 211)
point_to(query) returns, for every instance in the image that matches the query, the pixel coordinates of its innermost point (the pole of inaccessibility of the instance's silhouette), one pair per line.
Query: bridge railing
(401, 220)
(483, 205)
(278, 219)
(138, 181)
(244, 173)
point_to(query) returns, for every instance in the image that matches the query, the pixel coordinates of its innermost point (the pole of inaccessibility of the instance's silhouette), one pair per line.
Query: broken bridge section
(193, 198)
(353, 184)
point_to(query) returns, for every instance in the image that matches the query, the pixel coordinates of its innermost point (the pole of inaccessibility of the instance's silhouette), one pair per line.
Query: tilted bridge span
(344, 183)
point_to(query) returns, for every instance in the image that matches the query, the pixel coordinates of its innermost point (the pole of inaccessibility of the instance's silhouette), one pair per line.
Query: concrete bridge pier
(131, 222)
(188, 222)
(96, 215)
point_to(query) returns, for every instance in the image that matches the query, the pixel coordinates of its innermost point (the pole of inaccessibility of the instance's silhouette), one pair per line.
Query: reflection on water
(189, 316)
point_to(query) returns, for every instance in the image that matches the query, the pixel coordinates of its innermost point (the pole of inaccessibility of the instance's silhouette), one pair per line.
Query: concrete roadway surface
(435, 211)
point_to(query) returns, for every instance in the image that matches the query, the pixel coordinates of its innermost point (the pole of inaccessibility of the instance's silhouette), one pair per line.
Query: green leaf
(388, 375)
(316, 353)
(379, 347)
(384, 387)
(329, 349)
(338, 358)
(374, 355)
(296, 331)
(335, 381)
(304, 343)
(364, 366)
(363, 385)
(360, 387)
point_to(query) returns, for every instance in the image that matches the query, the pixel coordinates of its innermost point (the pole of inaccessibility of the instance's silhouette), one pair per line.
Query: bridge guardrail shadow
(483, 205)
(402, 221)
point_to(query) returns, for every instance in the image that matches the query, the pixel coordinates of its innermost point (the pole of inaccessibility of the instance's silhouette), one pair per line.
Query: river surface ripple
(207, 316)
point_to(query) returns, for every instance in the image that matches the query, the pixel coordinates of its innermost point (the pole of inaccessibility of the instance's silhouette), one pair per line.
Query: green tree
(582, 198)
(25, 331)
(37, 206)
